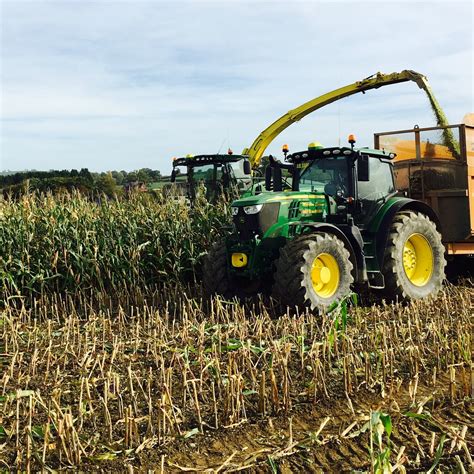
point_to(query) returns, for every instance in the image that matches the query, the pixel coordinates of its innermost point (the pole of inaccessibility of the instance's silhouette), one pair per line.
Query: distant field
(165, 181)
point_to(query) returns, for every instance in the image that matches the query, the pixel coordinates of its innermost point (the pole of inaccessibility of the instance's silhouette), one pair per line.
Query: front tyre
(414, 258)
(313, 270)
(216, 279)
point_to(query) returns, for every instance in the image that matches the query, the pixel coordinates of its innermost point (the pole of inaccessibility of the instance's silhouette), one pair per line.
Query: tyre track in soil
(249, 446)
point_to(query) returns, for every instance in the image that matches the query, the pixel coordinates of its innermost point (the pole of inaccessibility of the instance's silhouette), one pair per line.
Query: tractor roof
(333, 152)
(200, 160)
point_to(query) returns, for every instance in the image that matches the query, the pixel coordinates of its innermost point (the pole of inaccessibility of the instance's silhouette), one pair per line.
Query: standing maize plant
(69, 244)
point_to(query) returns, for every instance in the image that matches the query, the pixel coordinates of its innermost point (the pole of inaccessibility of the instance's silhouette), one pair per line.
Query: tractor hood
(270, 196)
(270, 214)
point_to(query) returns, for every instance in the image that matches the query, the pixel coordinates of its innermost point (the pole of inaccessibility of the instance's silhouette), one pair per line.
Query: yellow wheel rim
(418, 259)
(325, 275)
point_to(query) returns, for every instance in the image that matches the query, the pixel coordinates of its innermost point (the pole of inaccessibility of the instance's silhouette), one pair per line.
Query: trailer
(436, 165)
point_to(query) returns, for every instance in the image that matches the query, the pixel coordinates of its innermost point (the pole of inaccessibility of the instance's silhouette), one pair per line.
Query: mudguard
(381, 227)
(352, 238)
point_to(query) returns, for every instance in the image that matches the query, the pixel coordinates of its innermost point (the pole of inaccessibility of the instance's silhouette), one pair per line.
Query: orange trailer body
(440, 174)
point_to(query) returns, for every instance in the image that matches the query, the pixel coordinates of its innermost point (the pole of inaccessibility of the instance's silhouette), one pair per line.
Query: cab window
(381, 181)
(319, 173)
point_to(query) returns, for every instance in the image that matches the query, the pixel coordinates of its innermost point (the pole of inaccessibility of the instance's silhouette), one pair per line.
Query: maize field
(112, 361)
(70, 245)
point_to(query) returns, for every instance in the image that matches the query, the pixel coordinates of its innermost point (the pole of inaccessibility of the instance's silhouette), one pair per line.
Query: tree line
(83, 180)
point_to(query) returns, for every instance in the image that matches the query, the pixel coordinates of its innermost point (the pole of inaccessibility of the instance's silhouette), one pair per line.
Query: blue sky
(124, 85)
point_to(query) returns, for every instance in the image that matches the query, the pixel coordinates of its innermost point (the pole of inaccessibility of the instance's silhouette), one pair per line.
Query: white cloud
(123, 85)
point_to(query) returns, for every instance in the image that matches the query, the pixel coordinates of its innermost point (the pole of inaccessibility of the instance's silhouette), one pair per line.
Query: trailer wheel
(216, 279)
(414, 258)
(313, 271)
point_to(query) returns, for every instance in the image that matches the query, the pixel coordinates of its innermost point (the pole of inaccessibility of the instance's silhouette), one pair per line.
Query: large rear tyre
(314, 271)
(414, 258)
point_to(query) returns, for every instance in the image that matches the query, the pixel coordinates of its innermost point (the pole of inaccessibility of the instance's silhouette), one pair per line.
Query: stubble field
(110, 359)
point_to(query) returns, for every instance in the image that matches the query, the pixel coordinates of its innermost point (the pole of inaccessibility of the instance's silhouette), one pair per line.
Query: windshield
(237, 168)
(204, 173)
(180, 172)
(327, 175)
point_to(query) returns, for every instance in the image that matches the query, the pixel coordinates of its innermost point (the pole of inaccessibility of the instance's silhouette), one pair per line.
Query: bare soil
(290, 444)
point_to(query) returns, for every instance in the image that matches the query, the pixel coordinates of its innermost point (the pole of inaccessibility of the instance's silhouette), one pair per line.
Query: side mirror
(247, 167)
(277, 179)
(295, 181)
(173, 176)
(268, 178)
(363, 168)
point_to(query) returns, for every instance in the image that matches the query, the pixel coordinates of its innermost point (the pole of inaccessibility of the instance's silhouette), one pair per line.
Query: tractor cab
(218, 174)
(354, 182)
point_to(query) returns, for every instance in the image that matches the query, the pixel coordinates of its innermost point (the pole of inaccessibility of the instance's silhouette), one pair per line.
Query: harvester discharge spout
(375, 81)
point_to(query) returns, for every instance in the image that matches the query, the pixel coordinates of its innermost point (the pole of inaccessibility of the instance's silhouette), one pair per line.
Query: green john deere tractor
(336, 224)
(219, 174)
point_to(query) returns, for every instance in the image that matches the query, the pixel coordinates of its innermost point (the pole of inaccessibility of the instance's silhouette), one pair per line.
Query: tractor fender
(383, 229)
(352, 239)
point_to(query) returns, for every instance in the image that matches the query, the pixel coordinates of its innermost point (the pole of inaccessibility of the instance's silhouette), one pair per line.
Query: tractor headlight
(255, 209)
(234, 210)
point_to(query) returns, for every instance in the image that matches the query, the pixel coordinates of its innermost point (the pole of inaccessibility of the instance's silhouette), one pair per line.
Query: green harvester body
(219, 173)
